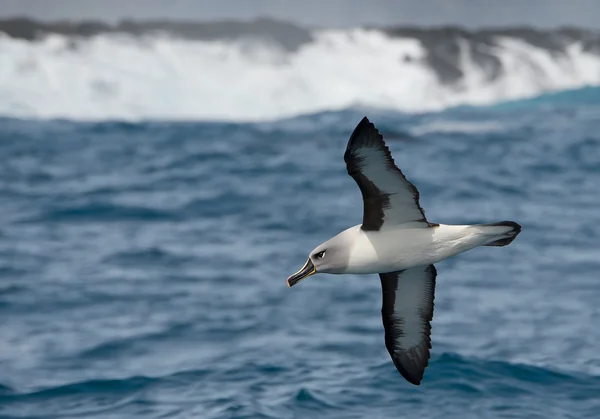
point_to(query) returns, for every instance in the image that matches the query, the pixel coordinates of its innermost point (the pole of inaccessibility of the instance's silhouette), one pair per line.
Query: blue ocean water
(143, 267)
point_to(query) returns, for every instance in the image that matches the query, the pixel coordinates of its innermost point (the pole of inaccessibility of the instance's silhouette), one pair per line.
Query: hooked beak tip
(307, 270)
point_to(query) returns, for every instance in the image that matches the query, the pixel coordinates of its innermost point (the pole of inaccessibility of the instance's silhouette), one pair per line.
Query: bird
(396, 241)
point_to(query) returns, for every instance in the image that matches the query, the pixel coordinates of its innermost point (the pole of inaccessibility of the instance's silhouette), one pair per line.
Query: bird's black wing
(389, 198)
(407, 311)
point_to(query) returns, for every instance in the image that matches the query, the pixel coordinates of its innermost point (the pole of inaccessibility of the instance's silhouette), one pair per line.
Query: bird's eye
(320, 255)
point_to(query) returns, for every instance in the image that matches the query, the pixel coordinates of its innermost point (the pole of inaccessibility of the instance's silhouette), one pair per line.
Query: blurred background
(164, 166)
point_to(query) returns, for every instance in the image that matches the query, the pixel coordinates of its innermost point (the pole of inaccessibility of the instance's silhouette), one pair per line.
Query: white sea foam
(124, 77)
(451, 127)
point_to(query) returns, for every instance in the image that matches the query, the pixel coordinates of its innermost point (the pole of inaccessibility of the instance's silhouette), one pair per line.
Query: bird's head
(330, 257)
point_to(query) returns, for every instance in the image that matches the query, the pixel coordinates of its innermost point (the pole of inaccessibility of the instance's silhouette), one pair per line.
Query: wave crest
(245, 74)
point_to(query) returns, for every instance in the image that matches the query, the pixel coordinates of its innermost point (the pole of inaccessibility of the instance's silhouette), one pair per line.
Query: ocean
(144, 256)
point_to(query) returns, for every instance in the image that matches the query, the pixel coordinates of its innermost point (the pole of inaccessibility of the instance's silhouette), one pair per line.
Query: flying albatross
(396, 241)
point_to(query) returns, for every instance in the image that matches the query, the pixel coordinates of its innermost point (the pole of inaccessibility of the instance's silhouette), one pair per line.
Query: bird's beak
(307, 270)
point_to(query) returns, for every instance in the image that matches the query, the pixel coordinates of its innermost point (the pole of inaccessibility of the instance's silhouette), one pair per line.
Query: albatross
(396, 241)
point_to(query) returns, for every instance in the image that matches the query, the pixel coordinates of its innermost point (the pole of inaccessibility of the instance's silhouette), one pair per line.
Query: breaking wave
(241, 73)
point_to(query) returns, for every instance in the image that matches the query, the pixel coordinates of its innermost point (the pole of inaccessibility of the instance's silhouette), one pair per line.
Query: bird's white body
(404, 247)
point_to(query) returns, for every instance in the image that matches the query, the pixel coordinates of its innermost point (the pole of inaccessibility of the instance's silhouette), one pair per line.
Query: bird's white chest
(393, 250)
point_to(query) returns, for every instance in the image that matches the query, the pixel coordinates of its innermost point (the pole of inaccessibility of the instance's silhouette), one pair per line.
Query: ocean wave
(103, 213)
(462, 377)
(580, 96)
(265, 70)
(158, 252)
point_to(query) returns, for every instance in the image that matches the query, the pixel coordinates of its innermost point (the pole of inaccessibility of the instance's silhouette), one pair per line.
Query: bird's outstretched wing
(389, 198)
(407, 311)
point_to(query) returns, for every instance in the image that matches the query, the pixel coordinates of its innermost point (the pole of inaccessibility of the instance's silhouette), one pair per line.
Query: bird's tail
(502, 233)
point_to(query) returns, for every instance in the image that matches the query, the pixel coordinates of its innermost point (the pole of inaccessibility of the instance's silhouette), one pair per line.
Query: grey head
(330, 257)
